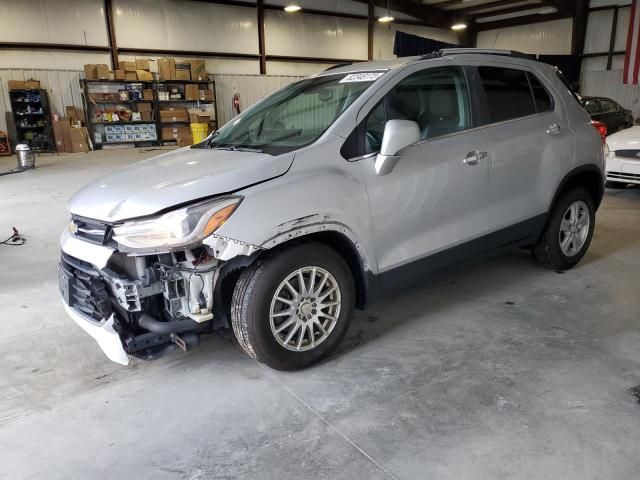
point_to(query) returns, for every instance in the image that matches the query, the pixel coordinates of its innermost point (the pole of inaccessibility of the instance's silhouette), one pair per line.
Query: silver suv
(312, 202)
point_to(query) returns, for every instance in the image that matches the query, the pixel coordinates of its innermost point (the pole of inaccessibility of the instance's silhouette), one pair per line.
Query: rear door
(532, 145)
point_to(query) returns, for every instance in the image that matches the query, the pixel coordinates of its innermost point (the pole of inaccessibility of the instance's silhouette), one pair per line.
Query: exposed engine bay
(159, 302)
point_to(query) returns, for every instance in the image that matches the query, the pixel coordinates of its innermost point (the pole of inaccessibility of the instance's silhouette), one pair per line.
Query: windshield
(293, 117)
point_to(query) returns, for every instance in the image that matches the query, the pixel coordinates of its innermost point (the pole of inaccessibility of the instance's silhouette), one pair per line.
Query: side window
(606, 106)
(508, 93)
(591, 106)
(435, 98)
(543, 100)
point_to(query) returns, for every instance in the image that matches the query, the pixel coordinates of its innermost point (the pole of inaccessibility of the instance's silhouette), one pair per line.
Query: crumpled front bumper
(103, 333)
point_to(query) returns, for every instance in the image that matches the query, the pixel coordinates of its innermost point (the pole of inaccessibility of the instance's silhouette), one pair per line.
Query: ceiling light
(292, 8)
(458, 26)
(386, 19)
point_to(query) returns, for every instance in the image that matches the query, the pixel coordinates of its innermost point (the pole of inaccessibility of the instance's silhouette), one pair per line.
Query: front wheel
(568, 232)
(292, 308)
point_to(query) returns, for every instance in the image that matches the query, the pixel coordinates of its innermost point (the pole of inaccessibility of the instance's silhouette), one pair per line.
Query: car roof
(395, 63)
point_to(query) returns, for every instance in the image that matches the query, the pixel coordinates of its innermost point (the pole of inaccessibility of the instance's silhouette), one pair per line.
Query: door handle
(473, 158)
(553, 129)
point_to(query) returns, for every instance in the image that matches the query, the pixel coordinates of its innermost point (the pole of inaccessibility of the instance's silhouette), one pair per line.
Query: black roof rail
(481, 51)
(338, 65)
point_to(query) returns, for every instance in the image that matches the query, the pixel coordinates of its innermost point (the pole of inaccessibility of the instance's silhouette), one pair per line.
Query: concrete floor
(501, 371)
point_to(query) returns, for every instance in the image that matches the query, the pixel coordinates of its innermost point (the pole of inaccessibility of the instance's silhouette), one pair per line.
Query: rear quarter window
(508, 93)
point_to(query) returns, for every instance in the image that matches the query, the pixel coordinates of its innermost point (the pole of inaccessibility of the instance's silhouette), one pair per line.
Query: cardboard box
(58, 137)
(191, 92)
(90, 71)
(199, 116)
(130, 76)
(183, 71)
(207, 95)
(198, 70)
(79, 140)
(16, 85)
(172, 133)
(75, 113)
(145, 116)
(167, 68)
(142, 64)
(102, 72)
(144, 76)
(184, 141)
(147, 94)
(143, 107)
(118, 74)
(174, 115)
(32, 84)
(65, 125)
(127, 66)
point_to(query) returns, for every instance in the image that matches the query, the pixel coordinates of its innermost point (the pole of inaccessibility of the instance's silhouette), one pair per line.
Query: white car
(623, 158)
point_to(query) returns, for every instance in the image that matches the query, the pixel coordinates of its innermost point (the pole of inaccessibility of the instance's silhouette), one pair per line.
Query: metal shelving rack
(187, 103)
(90, 104)
(32, 117)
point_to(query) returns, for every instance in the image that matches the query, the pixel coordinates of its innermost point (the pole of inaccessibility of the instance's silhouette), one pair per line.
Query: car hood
(627, 139)
(174, 178)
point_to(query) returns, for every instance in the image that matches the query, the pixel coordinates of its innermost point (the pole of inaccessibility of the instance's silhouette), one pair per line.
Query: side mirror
(397, 135)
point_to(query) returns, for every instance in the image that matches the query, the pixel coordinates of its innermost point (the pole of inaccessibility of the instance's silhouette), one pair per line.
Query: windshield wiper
(237, 148)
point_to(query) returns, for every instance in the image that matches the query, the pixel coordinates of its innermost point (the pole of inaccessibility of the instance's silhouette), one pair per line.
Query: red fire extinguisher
(5, 147)
(235, 104)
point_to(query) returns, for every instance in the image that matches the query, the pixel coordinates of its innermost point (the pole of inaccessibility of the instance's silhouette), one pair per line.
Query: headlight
(176, 229)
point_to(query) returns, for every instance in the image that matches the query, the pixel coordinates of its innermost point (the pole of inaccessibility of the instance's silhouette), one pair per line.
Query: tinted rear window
(508, 93)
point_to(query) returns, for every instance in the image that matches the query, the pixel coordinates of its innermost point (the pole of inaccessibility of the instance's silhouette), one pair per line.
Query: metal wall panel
(296, 68)
(251, 89)
(186, 25)
(315, 36)
(622, 28)
(384, 36)
(45, 59)
(76, 22)
(63, 87)
(551, 38)
(598, 33)
(606, 3)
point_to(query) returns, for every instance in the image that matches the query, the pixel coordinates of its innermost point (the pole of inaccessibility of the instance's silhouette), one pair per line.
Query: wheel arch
(588, 176)
(335, 237)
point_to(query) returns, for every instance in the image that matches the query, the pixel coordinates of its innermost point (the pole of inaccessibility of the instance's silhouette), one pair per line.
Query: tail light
(602, 129)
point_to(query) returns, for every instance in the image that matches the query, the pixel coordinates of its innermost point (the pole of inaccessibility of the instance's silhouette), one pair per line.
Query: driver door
(433, 208)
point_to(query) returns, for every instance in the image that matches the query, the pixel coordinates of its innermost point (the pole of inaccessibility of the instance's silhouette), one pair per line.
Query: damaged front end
(144, 305)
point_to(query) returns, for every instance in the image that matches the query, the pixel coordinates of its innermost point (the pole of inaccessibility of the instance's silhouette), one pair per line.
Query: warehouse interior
(495, 369)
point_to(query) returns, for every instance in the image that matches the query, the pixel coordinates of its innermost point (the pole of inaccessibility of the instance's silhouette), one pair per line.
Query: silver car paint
(323, 191)
(173, 178)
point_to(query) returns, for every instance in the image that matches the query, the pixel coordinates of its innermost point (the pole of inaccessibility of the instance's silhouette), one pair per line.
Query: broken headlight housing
(176, 229)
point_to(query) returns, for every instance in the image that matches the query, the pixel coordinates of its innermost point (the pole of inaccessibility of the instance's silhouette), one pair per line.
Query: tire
(548, 251)
(610, 184)
(253, 303)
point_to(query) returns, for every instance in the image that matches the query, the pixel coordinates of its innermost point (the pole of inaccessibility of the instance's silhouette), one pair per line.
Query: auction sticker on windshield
(362, 77)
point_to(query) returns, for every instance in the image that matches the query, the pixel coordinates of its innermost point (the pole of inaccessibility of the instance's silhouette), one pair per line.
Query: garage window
(508, 93)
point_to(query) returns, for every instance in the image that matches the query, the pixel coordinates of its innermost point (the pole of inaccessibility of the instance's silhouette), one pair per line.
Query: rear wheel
(291, 309)
(568, 233)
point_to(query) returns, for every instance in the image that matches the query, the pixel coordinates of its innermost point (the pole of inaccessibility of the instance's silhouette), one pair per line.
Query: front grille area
(624, 176)
(83, 289)
(93, 230)
(635, 154)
